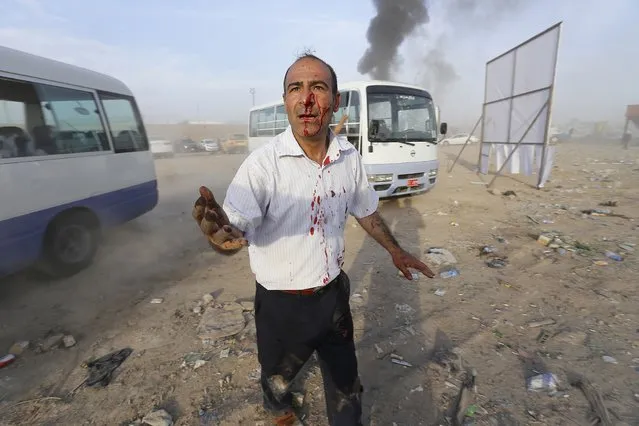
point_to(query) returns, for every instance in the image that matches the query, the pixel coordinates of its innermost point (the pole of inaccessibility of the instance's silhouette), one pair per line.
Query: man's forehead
(308, 69)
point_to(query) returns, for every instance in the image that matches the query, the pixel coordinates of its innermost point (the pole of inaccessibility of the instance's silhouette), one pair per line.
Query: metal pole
(542, 166)
(465, 143)
(483, 114)
(252, 92)
(520, 140)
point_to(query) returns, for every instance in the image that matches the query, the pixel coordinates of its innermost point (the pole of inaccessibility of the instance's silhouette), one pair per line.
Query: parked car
(161, 148)
(236, 143)
(212, 145)
(188, 145)
(458, 139)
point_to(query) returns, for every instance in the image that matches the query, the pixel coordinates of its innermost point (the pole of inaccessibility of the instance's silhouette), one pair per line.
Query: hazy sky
(198, 59)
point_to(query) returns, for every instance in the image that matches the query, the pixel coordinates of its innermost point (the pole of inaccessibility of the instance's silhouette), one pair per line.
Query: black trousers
(290, 328)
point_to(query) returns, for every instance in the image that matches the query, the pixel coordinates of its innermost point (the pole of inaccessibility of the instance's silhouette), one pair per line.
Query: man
(289, 202)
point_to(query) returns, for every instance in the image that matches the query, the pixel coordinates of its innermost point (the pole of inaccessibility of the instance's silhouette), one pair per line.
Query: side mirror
(443, 128)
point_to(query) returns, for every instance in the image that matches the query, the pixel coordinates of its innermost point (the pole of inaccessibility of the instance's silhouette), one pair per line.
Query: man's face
(309, 100)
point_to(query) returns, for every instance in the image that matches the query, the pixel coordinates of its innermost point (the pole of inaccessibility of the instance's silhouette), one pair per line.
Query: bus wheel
(70, 244)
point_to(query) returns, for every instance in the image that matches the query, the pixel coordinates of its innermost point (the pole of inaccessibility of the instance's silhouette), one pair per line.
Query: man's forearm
(377, 228)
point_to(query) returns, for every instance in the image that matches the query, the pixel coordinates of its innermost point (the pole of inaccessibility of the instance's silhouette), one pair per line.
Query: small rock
(19, 347)
(357, 300)
(544, 240)
(217, 323)
(207, 298)
(609, 359)
(199, 363)
(247, 305)
(250, 330)
(158, 418)
(68, 341)
(298, 399)
(197, 310)
(51, 342)
(157, 301)
(224, 353)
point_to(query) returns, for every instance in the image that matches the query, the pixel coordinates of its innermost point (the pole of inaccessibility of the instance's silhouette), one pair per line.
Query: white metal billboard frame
(547, 106)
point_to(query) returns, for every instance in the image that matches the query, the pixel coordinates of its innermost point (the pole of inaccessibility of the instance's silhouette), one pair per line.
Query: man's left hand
(404, 260)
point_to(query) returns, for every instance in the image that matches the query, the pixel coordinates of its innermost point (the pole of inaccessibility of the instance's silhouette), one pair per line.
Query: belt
(311, 291)
(305, 292)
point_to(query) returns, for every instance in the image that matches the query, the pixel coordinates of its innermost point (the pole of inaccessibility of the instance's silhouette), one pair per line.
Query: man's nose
(307, 97)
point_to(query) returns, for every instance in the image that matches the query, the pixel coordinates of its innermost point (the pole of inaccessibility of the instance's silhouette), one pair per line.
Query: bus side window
(20, 113)
(76, 118)
(124, 123)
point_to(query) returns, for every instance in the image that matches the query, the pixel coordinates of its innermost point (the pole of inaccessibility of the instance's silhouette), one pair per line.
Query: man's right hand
(215, 225)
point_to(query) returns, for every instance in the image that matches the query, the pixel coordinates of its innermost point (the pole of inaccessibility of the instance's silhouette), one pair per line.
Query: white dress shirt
(293, 211)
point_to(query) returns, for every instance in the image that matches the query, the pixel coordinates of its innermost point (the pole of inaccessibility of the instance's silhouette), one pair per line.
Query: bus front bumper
(392, 180)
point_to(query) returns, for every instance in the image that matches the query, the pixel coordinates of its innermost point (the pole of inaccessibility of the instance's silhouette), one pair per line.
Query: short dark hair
(309, 55)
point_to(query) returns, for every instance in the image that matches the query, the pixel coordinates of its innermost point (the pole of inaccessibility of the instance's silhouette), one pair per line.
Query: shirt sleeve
(365, 200)
(246, 197)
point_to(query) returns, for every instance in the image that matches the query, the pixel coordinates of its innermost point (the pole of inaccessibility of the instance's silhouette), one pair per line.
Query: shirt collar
(287, 144)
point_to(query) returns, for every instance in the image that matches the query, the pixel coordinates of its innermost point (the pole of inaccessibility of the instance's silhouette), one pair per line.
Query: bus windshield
(401, 116)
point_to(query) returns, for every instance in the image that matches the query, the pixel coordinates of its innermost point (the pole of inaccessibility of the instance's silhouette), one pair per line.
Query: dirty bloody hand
(404, 260)
(215, 225)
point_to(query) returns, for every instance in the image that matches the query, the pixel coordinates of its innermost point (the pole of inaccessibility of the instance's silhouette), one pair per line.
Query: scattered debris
(609, 359)
(219, 322)
(247, 305)
(593, 397)
(440, 256)
(6, 360)
(207, 299)
(609, 204)
(543, 336)
(509, 194)
(614, 256)
(545, 239)
(158, 418)
(101, 370)
(157, 301)
(298, 399)
(51, 342)
(193, 359)
(541, 323)
(68, 341)
(449, 272)
(497, 262)
(546, 382)
(627, 247)
(400, 361)
(532, 219)
(357, 300)
(404, 309)
(487, 250)
(199, 363)
(19, 347)
(440, 292)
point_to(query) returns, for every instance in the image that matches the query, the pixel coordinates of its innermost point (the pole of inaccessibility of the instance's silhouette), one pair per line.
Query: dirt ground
(485, 316)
